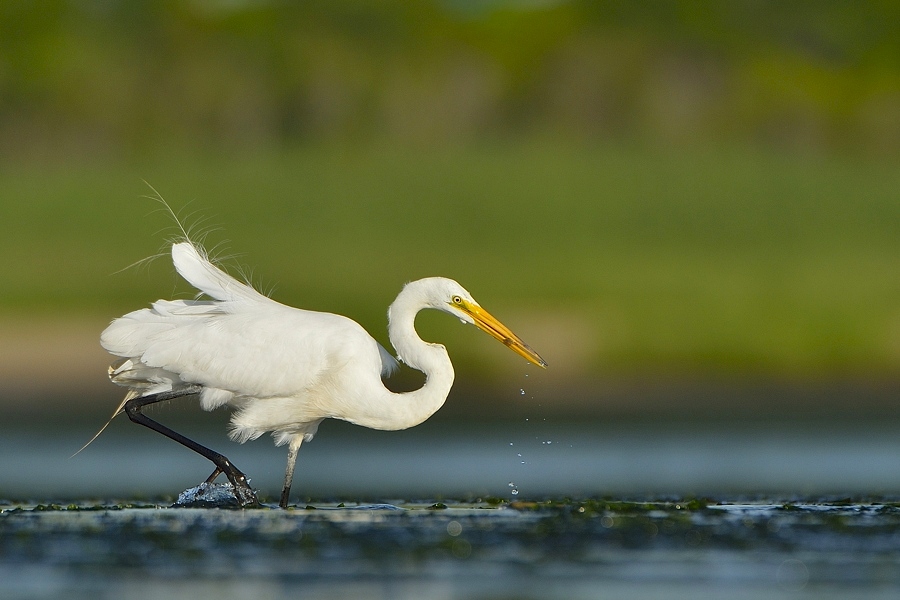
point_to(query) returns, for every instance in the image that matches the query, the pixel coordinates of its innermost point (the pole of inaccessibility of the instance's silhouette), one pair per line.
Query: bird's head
(448, 296)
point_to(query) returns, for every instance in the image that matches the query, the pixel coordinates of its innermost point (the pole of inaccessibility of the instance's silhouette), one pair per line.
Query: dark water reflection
(451, 460)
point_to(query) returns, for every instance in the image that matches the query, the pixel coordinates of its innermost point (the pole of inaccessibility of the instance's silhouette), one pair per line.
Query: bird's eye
(457, 300)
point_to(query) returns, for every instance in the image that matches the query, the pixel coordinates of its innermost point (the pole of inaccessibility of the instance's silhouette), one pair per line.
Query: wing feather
(252, 349)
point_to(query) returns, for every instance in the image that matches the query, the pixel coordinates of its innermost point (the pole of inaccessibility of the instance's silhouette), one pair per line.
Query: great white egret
(282, 369)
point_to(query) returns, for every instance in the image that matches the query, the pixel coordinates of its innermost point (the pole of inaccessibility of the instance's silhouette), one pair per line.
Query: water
(563, 549)
(795, 512)
(445, 459)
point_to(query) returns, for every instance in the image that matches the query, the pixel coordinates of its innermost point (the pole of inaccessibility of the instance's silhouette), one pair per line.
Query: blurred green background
(687, 208)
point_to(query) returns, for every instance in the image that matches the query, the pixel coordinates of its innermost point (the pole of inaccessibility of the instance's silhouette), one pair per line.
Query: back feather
(389, 364)
(193, 264)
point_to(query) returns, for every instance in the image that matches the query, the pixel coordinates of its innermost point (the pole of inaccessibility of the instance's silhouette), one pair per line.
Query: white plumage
(283, 370)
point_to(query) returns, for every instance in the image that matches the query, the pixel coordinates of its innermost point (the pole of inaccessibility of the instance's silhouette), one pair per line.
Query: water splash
(208, 495)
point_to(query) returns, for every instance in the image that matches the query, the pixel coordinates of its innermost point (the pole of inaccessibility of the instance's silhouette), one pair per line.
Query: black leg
(215, 474)
(242, 491)
(293, 448)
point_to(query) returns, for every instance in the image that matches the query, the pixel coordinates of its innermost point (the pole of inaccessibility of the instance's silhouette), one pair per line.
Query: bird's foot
(240, 485)
(244, 494)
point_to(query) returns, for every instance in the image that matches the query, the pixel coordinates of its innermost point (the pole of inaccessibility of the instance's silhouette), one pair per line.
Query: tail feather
(131, 394)
(140, 379)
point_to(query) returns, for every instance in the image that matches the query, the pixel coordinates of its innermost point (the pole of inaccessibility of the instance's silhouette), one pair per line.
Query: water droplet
(521, 392)
(514, 491)
(519, 454)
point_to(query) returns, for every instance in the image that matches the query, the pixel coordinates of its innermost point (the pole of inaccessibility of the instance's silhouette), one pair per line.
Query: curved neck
(408, 409)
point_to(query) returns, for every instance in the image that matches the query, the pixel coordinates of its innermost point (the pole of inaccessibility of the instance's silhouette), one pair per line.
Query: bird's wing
(251, 350)
(193, 264)
(240, 344)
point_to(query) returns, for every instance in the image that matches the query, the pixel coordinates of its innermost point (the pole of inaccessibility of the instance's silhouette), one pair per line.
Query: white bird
(282, 369)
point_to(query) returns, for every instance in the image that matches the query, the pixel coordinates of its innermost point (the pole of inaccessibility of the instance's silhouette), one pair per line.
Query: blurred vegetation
(91, 77)
(602, 258)
(672, 186)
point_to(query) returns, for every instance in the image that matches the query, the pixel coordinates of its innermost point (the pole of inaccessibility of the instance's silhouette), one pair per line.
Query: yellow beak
(490, 325)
